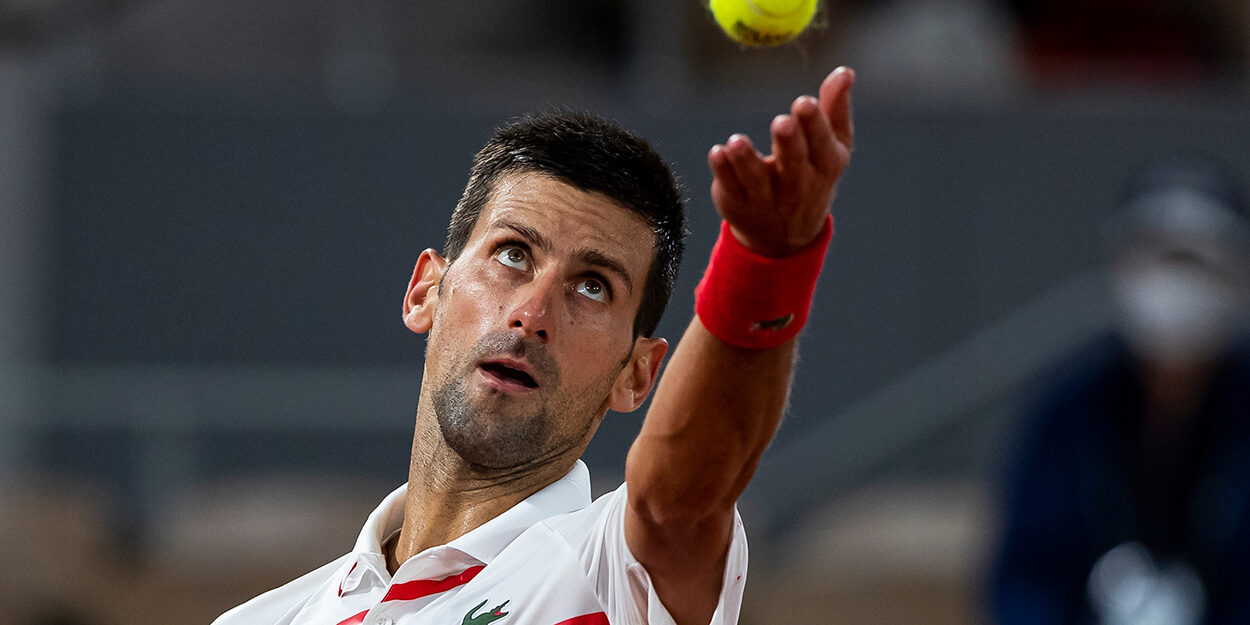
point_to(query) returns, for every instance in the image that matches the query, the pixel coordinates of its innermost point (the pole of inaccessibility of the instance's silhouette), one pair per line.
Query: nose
(535, 310)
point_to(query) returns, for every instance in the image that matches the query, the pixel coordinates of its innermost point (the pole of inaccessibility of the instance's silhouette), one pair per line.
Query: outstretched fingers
(725, 186)
(820, 140)
(835, 105)
(789, 149)
(749, 166)
(724, 180)
(741, 176)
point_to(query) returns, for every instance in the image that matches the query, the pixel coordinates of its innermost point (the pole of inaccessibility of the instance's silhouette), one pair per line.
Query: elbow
(681, 502)
(682, 530)
(676, 514)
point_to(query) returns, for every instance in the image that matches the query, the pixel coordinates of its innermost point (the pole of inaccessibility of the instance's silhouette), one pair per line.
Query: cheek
(474, 296)
(597, 352)
(466, 310)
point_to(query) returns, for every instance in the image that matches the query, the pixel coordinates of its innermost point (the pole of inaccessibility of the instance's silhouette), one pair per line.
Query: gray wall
(191, 236)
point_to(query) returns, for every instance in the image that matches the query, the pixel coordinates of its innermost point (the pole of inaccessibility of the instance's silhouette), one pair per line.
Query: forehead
(569, 217)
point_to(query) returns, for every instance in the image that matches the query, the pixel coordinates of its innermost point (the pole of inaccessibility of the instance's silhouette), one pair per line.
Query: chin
(493, 440)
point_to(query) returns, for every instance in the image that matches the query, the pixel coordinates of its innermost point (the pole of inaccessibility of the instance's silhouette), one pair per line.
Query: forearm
(714, 412)
(712, 416)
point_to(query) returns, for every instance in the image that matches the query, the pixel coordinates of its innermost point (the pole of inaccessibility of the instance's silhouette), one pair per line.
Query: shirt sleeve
(597, 535)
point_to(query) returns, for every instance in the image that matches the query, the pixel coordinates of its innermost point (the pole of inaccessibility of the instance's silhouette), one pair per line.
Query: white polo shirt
(553, 559)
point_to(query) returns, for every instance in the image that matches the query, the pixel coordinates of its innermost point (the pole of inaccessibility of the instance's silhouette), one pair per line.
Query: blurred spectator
(1129, 502)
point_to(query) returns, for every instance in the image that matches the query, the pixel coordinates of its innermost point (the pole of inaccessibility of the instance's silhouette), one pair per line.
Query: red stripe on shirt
(354, 620)
(598, 618)
(408, 591)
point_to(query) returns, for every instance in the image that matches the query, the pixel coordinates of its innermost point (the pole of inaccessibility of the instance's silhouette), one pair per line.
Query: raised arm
(717, 405)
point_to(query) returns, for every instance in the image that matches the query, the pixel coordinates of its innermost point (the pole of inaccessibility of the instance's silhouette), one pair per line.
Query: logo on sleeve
(490, 616)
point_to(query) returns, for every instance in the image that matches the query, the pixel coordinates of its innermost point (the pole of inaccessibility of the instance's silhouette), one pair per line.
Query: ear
(636, 380)
(422, 296)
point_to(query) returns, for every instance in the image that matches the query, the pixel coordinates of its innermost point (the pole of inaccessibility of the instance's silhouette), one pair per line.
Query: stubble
(493, 431)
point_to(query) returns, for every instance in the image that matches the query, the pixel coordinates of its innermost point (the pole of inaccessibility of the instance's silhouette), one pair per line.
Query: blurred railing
(895, 421)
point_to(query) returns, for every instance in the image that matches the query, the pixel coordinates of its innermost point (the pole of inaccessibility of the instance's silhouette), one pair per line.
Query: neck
(448, 497)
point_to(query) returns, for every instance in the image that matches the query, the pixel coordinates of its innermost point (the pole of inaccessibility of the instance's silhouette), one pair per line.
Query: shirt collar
(569, 493)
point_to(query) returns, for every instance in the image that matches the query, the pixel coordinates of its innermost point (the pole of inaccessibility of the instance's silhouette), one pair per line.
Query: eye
(514, 257)
(593, 289)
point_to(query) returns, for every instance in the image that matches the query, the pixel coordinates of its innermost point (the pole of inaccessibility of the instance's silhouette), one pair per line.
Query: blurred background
(209, 212)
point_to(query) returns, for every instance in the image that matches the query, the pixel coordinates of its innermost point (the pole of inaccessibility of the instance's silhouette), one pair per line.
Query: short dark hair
(1151, 188)
(593, 155)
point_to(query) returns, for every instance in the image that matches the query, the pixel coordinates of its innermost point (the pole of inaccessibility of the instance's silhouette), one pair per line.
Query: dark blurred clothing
(1090, 476)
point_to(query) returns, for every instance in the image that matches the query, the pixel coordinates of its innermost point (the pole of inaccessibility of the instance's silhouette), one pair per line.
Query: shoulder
(1082, 392)
(604, 518)
(595, 536)
(1090, 369)
(600, 513)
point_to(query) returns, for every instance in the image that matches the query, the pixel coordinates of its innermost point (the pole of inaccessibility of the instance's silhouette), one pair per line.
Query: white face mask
(1176, 313)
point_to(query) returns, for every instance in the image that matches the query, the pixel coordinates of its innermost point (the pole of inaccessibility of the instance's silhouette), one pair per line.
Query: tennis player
(539, 314)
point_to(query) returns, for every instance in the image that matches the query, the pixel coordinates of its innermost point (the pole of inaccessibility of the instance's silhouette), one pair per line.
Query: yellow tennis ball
(763, 22)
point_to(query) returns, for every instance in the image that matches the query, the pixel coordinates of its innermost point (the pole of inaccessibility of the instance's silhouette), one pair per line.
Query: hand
(776, 204)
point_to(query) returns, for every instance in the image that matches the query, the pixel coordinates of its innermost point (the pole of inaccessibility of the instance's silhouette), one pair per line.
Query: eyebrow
(594, 258)
(536, 238)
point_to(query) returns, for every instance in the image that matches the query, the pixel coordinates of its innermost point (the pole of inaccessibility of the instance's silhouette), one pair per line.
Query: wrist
(754, 301)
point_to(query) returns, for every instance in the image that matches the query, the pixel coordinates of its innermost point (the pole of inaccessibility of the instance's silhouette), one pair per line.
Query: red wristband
(754, 301)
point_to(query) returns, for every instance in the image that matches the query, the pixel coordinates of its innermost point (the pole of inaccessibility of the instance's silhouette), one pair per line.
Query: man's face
(533, 325)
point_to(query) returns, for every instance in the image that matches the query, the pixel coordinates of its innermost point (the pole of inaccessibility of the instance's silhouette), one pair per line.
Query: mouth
(508, 374)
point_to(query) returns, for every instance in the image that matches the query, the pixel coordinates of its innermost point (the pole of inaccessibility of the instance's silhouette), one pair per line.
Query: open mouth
(509, 374)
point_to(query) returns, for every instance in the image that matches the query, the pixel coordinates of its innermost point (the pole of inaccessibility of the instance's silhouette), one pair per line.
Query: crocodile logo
(490, 616)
